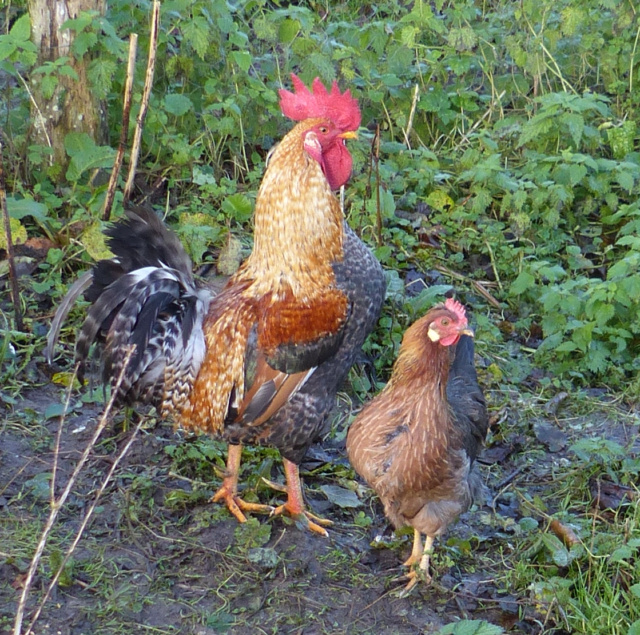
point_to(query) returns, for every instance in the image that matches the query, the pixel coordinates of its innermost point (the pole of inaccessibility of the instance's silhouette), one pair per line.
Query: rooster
(416, 442)
(261, 361)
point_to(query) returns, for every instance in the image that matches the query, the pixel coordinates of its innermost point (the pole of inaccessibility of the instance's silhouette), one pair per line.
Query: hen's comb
(303, 103)
(456, 308)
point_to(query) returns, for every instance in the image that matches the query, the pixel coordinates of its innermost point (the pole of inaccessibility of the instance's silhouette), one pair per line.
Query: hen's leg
(294, 506)
(416, 552)
(228, 491)
(422, 560)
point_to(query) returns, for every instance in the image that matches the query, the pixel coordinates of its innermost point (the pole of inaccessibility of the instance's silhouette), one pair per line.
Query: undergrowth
(498, 156)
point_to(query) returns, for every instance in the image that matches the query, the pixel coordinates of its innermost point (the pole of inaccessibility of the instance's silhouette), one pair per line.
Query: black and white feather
(146, 296)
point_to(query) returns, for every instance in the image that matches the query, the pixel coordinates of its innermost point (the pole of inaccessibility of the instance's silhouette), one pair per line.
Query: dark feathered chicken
(261, 361)
(416, 442)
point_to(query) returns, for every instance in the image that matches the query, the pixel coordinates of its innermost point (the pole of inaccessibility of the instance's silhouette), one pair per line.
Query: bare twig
(41, 122)
(480, 286)
(376, 158)
(146, 94)
(13, 276)
(124, 132)
(412, 114)
(56, 505)
(83, 525)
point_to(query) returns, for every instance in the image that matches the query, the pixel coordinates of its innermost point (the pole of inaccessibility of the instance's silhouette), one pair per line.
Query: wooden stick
(376, 155)
(412, 114)
(56, 505)
(124, 132)
(146, 94)
(83, 525)
(13, 276)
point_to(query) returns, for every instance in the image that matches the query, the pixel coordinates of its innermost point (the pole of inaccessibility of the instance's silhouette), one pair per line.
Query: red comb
(341, 108)
(456, 308)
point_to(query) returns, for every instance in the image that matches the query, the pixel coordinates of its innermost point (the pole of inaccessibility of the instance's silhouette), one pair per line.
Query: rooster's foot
(304, 518)
(237, 506)
(295, 507)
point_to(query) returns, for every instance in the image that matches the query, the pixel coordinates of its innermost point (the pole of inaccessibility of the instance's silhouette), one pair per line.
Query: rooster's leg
(228, 491)
(421, 559)
(294, 506)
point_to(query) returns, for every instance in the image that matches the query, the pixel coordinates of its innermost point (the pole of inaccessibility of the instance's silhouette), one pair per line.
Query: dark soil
(159, 558)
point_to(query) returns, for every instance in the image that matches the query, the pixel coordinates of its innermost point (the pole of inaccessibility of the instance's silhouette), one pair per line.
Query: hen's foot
(416, 551)
(415, 576)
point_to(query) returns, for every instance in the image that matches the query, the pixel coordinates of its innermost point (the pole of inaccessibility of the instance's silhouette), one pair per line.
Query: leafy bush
(507, 156)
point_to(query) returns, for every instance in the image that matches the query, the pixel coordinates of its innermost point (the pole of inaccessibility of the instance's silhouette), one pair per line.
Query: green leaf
(54, 410)
(83, 42)
(635, 590)
(252, 534)
(575, 124)
(21, 29)
(242, 59)
(196, 33)
(558, 551)
(238, 207)
(427, 298)
(177, 104)
(524, 282)
(19, 208)
(7, 47)
(622, 554)
(634, 629)
(93, 240)
(86, 155)
(625, 180)
(18, 233)
(288, 31)
(471, 627)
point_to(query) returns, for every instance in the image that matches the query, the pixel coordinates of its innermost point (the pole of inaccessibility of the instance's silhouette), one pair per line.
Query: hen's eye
(323, 129)
(444, 321)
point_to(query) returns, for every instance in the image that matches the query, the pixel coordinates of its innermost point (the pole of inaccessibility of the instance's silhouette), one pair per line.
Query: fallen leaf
(341, 497)
(552, 437)
(565, 533)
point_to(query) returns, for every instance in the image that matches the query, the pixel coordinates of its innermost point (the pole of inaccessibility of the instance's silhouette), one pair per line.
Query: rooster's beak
(349, 134)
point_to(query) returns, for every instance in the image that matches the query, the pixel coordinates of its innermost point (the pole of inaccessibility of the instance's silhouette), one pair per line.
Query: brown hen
(416, 442)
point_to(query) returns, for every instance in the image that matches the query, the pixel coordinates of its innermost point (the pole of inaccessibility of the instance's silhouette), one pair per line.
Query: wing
(466, 398)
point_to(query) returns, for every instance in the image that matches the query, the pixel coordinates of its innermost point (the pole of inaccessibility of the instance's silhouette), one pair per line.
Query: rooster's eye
(323, 130)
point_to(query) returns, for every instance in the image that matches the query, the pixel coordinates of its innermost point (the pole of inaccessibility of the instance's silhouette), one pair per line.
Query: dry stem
(13, 276)
(146, 94)
(56, 505)
(124, 132)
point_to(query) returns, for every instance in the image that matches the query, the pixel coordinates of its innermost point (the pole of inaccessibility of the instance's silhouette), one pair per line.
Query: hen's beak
(467, 331)
(349, 134)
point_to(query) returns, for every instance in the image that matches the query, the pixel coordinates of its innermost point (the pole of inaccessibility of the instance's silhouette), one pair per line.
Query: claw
(236, 505)
(294, 507)
(228, 491)
(275, 486)
(304, 518)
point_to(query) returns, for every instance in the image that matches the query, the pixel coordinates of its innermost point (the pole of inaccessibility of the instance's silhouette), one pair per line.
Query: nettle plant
(507, 146)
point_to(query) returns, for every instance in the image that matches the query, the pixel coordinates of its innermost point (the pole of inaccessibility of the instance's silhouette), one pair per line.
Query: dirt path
(158, 558)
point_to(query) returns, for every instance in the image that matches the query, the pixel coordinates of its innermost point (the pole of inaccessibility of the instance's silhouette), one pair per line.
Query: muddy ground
(159, 558)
